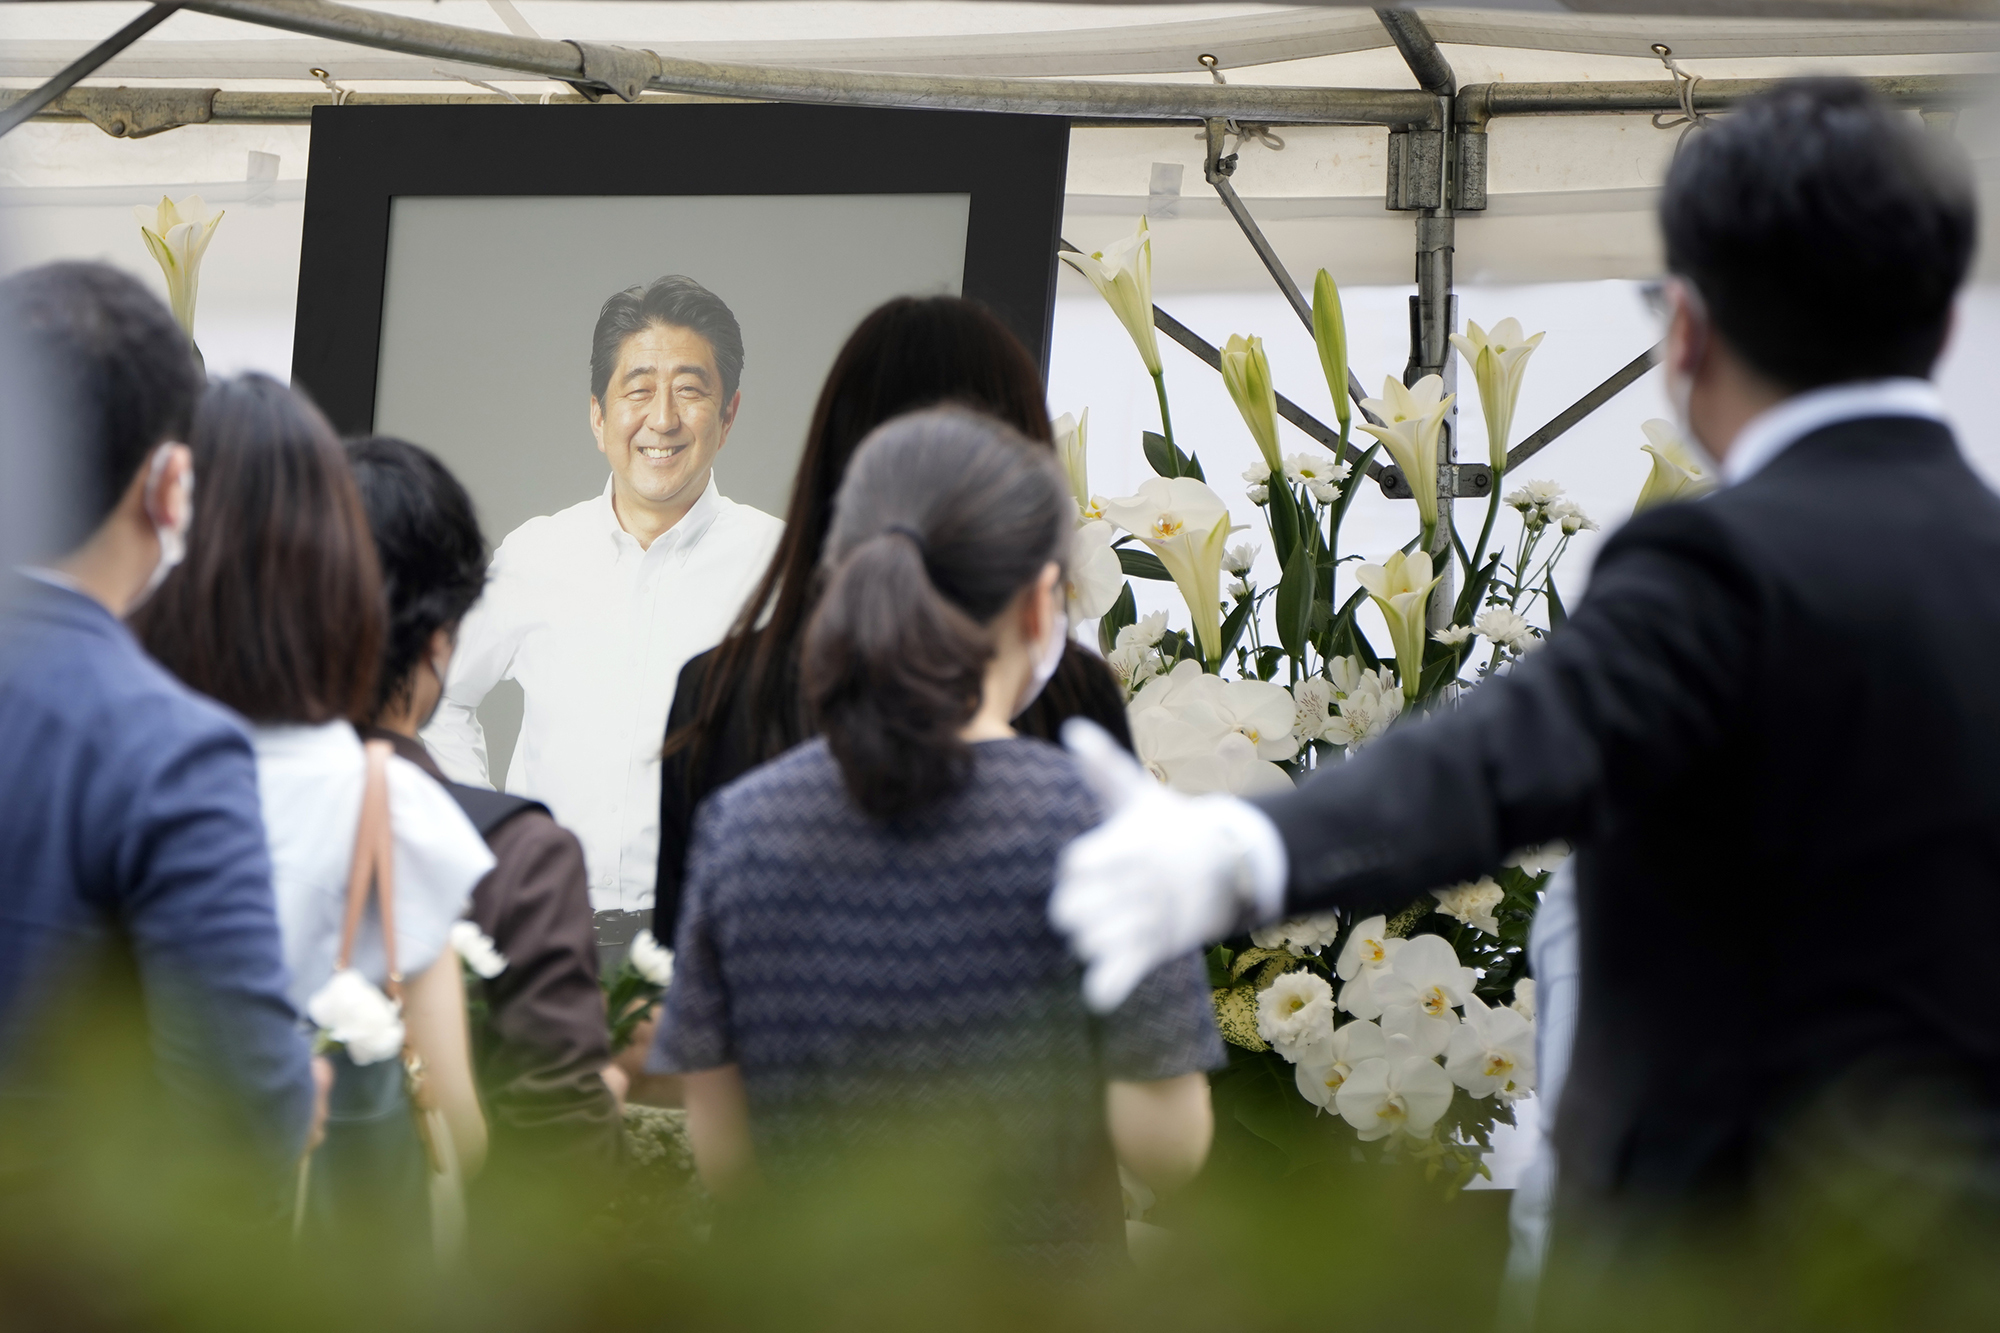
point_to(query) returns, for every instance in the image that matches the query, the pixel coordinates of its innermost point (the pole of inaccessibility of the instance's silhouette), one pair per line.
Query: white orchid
(1369, 945)
(1524, 998)
(1506, 627)
(1492, 1052)
(1295, 1014)
(1399, 587)
(1539, 860)
(1187, 737)
(1320, 475)
(1263, 714)
(1238, 559)
(1123, 275)
(1472, 903)
(1422, 986)
(477, 949)
(1187, 526)
(1073, 448)
(1299, 936)
(177, 236)
(1678, 472)
(1411, 420)
(1397, 1090)
(1095, 576)
(652, 960)
(1246, 373)
(352, 1011)
(1320, 1075)
(1499, 361)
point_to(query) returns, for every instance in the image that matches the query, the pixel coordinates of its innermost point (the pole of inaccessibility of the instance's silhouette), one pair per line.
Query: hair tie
(905, 530)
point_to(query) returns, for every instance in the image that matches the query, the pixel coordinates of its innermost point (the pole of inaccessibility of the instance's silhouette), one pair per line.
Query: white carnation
(1472, 903)
(477, 949)
(1295, 1014)
(353, 1012)
(650, 960)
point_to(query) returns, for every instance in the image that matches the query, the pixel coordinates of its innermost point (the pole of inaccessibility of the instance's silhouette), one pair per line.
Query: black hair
(943, 518)
(1826, 232)
(676, 301)
(908, 353)
(277, 611)
(114, 374)
(428, 542)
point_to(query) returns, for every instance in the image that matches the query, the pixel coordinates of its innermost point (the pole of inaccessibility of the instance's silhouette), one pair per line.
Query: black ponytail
(943, 518)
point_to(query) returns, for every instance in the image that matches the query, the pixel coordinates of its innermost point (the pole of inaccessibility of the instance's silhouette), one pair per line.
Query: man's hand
(1162, 876)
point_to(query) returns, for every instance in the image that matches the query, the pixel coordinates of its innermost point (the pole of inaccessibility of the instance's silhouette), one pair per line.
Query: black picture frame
(1011, 166)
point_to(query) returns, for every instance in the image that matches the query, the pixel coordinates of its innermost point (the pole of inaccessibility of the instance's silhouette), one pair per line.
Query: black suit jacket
(1773, 732)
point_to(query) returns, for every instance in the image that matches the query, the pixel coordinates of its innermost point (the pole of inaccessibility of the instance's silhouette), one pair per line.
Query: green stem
(1486, 529)
(1166, 418)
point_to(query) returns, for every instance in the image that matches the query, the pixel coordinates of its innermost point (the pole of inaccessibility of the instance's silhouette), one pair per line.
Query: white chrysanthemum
(352, 1010)
(1237, 590)
(1295, 1014)
(1492, 1053)
(1539, 860)
(1256, 472)
(1452, 634)
(1472, 903)
(1320, 1076)
(1146, 631)
(1524, 998)
(1571, 518)
(1508, 628)
(651, 960)
(1319, 474)
(1260, 494)
(1238, 559)
(477, 949)
(1299, 936)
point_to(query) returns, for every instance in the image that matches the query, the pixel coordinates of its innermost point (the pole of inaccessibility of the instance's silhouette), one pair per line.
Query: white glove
(1163, 875)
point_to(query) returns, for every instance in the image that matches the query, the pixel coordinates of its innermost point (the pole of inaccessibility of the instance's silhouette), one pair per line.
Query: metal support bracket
(1462, 481)
(1416, 169)
(619, 70)
(135, 113)
(85, 65)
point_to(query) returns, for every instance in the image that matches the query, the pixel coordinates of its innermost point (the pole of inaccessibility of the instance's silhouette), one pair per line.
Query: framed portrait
(455, 261)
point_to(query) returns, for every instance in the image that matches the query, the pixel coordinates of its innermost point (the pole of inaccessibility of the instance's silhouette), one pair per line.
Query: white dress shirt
(1771, 432)
(309, 782)
(596, 629)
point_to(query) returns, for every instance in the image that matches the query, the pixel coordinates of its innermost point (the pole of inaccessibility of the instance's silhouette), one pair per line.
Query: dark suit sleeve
(545, 1040)
(677, 802)
(195, 901)
(1641, 684)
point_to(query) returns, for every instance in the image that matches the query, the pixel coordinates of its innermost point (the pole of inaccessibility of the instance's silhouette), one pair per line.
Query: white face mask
(173, 535)
(1045, 666)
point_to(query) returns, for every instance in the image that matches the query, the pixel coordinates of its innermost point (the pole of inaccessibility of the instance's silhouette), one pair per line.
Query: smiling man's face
(663, 418)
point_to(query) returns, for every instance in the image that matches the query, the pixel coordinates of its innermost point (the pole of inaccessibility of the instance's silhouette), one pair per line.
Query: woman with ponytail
(866, 922)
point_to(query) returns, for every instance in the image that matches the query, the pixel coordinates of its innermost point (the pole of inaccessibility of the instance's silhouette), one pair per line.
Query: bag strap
(373, 871)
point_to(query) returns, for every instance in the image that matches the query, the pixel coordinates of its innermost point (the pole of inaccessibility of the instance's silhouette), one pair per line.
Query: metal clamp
(136, 113)
(1462, 481)
(616, 69)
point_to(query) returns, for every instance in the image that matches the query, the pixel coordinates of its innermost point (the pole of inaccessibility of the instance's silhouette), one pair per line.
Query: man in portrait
(595, 608)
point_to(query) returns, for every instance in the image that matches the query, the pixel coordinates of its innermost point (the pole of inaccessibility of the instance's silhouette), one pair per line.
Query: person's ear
(597, 422)
(1038, 608)
(444, 641)
(166, 494)
(1687, 331)
(729, 416)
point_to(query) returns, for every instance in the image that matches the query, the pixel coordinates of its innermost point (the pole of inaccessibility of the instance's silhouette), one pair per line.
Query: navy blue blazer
(128, 804)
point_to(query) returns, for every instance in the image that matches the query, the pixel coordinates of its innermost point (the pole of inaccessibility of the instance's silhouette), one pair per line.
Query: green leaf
(1285, 519)
(1347, 640)
(1557, 615)
(1142, 564)
(1232, 626)
(1295, 599)
(1123, 612)
(1269, 659)
(1475, 590)
(1190, 465)
(1162, 455)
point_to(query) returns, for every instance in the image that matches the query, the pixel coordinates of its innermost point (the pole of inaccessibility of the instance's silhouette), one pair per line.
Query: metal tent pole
(86, 65)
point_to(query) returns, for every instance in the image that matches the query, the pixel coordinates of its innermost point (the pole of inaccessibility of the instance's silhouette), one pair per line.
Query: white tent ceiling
(1569, 195)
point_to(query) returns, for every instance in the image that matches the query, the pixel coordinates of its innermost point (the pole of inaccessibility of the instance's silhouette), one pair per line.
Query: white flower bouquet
(631, 991)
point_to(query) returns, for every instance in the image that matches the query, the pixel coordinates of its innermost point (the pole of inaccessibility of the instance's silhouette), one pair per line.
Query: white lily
(1422, 986)
(1330, 338)
(652, 960)
(1246, 373)
(1320, 1075)
(1472, 903)
(353, 1011)
(1397, 1090)
(1499, 361)
(1678, 472)
(1400, 586)
(1295, 1014)
(1123, 275)
(1187, 526)
(177, 236)
(1095, 576)
(1492, 1052)
(1411, 421)
(477, 950)
(1073, 449)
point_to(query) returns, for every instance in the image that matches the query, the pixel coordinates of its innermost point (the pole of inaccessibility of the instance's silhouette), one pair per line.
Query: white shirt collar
(1770, 433)
(696, 521)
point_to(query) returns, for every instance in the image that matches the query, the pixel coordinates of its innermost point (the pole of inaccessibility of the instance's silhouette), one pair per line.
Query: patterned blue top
(884, 986)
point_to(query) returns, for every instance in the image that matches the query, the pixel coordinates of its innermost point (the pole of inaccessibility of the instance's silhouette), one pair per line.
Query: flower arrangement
(635, 987)
(1409, 1037)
